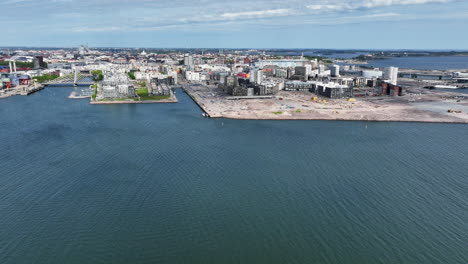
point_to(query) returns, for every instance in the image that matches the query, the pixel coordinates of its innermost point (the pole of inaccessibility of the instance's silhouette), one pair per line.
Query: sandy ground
(427, 106)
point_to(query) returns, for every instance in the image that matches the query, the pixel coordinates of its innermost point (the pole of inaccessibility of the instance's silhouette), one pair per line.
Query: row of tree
(19, 64)
(45, 78)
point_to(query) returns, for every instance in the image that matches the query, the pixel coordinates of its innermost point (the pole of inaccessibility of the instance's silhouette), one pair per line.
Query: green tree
(97, 75)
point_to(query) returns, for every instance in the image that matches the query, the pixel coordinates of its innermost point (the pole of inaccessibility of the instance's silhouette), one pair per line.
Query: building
(256, 76)
(281, 63)
(116, 85)
(370, 74)
(335, 71)
(188, 60)
(321, 69)
(390, 74)
(299, 85)
(391, 89)
(269, 87)
(300, 73)
(332, 90)
(281, 73)
(160, 86)
(192, 76)
(270, 70)
(231, 86)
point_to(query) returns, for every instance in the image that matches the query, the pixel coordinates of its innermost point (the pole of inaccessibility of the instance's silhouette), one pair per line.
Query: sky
(326, 24)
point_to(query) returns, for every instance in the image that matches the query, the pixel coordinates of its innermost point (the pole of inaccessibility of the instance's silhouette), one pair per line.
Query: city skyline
(357, 24)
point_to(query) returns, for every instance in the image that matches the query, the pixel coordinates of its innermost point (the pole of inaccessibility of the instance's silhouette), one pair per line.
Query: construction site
(418, 105)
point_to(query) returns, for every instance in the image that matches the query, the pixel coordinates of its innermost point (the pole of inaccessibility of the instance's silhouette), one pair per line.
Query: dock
(21, 90)
(73, 95)
(197, 98)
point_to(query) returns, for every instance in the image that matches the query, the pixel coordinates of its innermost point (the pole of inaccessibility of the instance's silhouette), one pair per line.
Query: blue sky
(356, 24)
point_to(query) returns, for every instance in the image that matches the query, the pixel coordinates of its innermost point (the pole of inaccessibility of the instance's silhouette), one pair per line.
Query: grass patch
(298, 111)
(155, 98)
(278, 113)
(144, 96)
(143, 92)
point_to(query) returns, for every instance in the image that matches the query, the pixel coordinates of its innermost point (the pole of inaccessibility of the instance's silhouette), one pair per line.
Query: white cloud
(256, 14)
(334, 6)
(152, 15)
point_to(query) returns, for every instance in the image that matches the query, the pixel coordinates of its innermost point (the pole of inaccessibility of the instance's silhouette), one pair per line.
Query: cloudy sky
(376, 24)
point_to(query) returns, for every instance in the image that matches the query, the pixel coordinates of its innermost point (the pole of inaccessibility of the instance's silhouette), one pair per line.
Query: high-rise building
(321, 68)
(256, 76)
(188, 60)
(335, 71)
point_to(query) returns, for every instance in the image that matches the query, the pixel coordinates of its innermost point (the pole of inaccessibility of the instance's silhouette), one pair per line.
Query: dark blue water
(340, 55)
(159, 183)
(424, 63)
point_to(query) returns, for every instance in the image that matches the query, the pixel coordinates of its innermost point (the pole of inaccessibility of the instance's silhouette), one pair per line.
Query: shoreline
(343, 119)
(298, 106)
(165, 101)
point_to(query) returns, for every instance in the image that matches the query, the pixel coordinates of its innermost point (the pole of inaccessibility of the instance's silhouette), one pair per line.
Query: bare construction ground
(419, 105)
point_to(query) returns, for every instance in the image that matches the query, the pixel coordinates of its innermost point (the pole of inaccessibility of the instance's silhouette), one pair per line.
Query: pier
(197, 98)
(20, 90)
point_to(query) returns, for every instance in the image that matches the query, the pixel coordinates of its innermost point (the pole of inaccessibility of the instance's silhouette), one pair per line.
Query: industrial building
(390, 75)
(13, 79)
(391, 89)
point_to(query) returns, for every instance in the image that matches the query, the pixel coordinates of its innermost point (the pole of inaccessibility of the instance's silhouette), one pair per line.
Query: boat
(445, 87)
